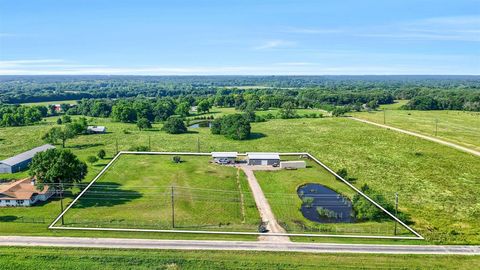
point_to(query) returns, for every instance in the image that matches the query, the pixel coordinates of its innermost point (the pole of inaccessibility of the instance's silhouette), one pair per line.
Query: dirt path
(264, 208)
(433, 139)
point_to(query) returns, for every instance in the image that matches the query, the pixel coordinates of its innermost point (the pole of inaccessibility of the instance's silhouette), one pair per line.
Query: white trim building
(224, 157)
(263, 159)
(96, 129)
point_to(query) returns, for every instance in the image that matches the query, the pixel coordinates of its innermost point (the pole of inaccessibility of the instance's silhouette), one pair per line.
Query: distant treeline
(425, 92)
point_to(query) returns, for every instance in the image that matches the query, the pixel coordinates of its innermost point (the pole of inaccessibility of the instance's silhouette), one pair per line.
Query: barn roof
(96, 128)
(263, 155)
(26, 155)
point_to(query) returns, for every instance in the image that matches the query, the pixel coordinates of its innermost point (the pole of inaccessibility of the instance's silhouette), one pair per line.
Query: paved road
(264, 208)
(433, 139)
(232, 245)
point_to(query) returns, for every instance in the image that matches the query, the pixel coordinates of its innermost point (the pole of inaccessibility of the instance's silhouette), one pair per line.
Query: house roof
(26, 155)
(224, 154)
(20, 190)
(96, 128)
(263, 155)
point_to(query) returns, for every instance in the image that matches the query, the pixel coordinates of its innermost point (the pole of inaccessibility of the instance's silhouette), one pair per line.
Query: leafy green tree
(183, 109)
(234, 126)
(143, 123)
(123, 112)
(92, 159)
(57, 133)
(204, 106)
(365, 210)
(59, 121)
(57, 166)
(288, 110)
(101, 154)
(66, 119)
(174, 125)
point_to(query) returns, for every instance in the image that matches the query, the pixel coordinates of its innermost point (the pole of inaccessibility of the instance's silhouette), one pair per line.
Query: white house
(23, 193)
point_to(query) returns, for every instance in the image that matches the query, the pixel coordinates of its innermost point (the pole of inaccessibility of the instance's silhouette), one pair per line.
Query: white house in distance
(23, 193)
(224, 157)
(96, 129)
(263, 159)
(21, 161)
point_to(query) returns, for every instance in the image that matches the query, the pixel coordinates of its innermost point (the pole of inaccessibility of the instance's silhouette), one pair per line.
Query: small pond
(323, 205)
(203, 124)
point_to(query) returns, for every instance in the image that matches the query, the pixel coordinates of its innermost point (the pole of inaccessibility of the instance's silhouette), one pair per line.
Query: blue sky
(239, 37)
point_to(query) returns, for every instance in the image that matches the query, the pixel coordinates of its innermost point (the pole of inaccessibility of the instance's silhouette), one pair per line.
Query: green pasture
(437, 185)
(459, 127)
(280, 188)
(137, 192)
(74, 258)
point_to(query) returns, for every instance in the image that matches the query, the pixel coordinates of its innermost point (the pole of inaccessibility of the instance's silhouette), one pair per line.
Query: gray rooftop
(261, 155)
(26, 155)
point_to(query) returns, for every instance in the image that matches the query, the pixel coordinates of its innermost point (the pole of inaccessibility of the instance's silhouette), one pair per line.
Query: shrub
(92, 159)
(101, 154)
(174, 125)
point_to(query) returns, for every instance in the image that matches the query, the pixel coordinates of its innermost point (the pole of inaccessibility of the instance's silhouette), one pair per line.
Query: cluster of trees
(365, 210)
(11, 115)
(69, 131)
(233, 126)
(57, 166)
(174, 125)
(466, 102)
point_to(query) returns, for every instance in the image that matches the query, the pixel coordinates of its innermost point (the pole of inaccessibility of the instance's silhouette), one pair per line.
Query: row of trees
(11, 116)
(69, 131)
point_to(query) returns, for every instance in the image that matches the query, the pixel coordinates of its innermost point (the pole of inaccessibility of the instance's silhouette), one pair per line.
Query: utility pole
(61, 202)
(198, 145)
(396, 212)
(384, 117)
(173, 208)
(436, 126)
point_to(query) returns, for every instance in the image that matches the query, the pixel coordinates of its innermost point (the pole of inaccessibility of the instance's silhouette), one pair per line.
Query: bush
(101, 154)
(365, 210)
(174, 125)
(92, 159)
(59, 121)
(177, 159)
(143, 123)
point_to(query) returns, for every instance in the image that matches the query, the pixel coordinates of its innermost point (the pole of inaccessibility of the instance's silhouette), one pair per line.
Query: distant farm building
(23, 193)
(96, 129)
(263, 159)
(21, 161)
(224, 157)
(293, 164)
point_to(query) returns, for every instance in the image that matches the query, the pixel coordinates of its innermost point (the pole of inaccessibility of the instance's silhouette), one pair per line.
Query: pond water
(203, 124)
(323, 205)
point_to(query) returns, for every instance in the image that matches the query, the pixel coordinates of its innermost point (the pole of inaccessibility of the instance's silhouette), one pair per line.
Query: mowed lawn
(69, 258)
(459, 127)
(137, 192)
(280, 188)
(437, 185)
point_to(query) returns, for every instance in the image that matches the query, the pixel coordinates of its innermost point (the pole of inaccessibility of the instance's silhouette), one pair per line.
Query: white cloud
(299, 30)
(272, 44)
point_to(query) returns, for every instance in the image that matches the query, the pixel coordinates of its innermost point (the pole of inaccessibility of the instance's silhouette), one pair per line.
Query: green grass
(459, 127)
(69, 258)
(438, 186)
(395, 106)
(280, 188)
(46, 103)
(136, 192)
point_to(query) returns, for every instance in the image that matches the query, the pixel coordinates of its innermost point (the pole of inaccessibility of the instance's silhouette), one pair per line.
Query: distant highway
(32, 241)
(433, 139)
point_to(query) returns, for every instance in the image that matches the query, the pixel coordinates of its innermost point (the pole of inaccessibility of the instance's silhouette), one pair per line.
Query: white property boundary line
(52, 225)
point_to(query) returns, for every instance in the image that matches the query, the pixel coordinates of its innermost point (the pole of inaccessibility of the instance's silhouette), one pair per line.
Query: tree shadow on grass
(106, 194)
(9, 218)
(86, 145)
(256, 135)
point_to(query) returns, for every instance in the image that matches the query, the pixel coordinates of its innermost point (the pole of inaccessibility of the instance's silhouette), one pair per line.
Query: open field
(280, 188)
(69, 258)
(137, 192)
(438, 186)
(459, 127)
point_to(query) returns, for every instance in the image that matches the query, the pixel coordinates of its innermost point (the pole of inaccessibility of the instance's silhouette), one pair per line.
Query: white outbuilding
(224, 157)
(263, 159)
(300, 164)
